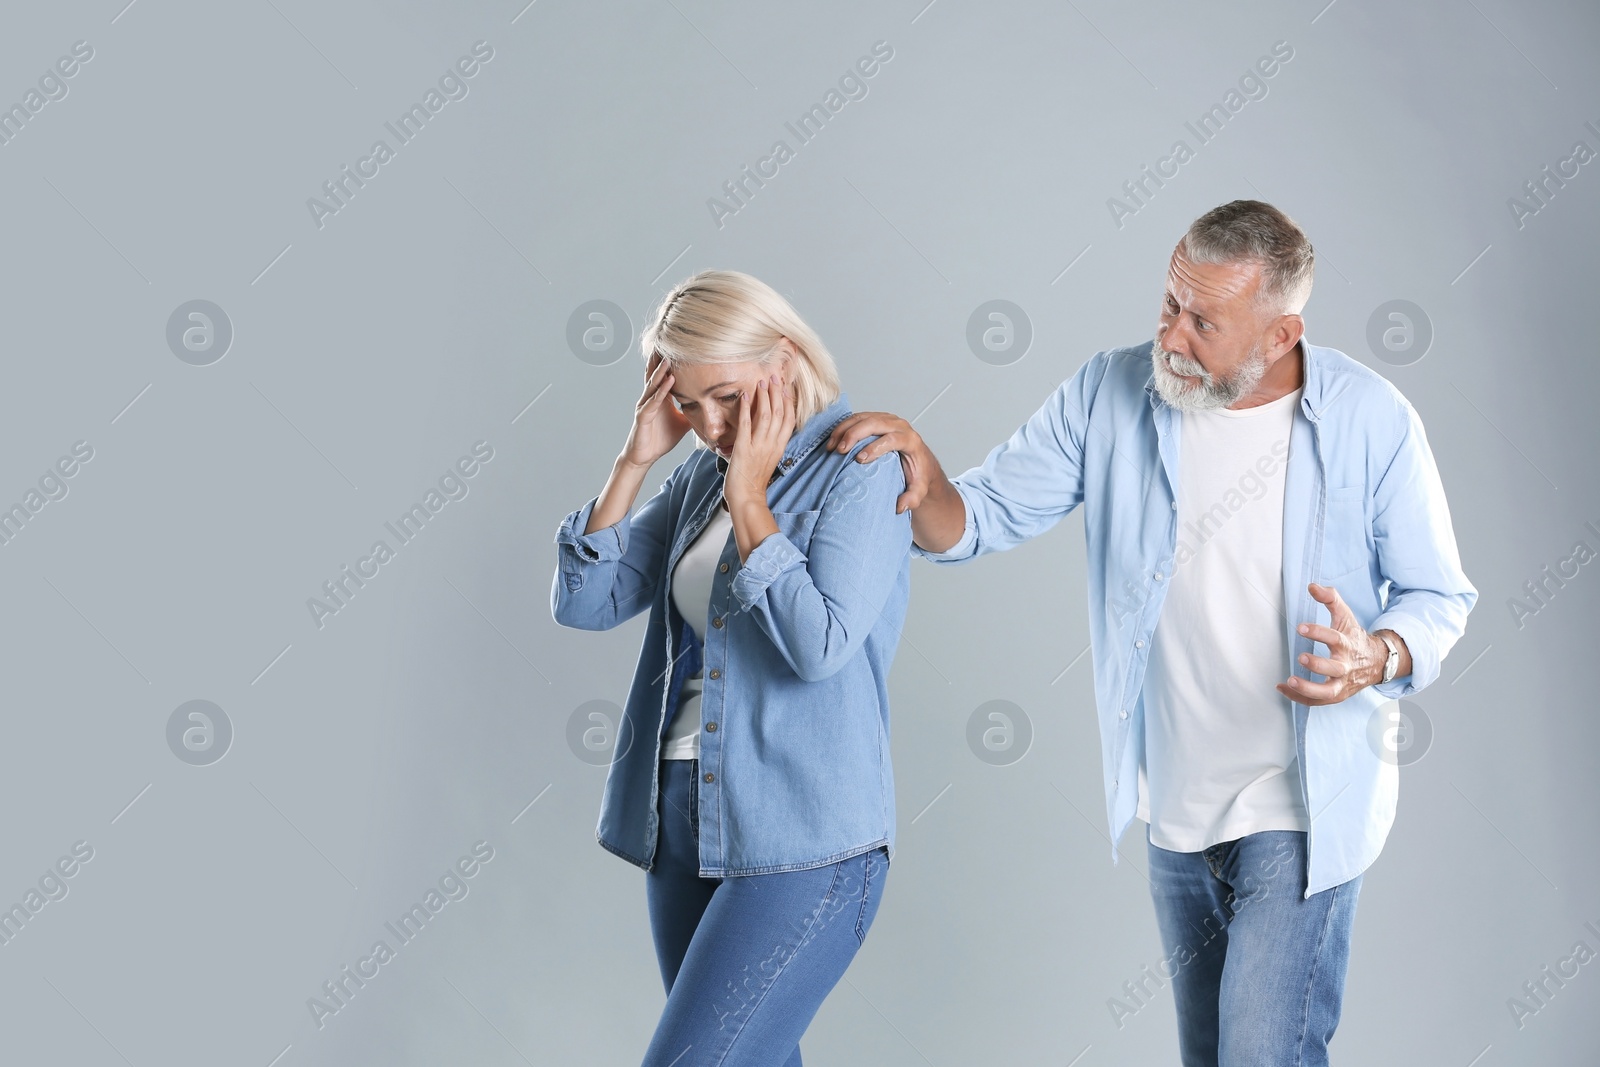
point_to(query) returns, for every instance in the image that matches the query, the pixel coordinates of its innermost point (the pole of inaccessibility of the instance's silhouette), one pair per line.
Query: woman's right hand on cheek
(658, 425)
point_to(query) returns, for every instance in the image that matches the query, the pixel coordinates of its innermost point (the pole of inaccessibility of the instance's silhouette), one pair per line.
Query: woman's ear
(789, 355)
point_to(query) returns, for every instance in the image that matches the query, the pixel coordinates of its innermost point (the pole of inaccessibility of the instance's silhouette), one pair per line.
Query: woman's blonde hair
(723, 316)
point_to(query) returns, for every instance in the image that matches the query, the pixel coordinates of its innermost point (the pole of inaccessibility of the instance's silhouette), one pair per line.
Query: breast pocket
(1344, 533)
(797, 526)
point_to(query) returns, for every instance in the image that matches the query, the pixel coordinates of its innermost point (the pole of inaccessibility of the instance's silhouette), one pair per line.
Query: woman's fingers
(777, 408)
(658, 396)
(778, 405)
(657, 379)
(758, 425)
(656, 366)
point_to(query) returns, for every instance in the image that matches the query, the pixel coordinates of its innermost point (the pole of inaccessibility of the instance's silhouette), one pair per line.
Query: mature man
(1247, 497)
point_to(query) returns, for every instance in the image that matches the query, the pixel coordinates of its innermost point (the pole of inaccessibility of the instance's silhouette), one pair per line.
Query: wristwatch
(1391, 664)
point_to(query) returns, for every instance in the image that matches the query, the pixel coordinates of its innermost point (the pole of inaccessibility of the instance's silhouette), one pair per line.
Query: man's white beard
(1209, 392)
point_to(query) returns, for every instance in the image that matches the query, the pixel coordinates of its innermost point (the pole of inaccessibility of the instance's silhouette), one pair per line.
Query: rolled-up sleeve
(1429, 594)
(966, 545)
(607, 576)
(602, 546)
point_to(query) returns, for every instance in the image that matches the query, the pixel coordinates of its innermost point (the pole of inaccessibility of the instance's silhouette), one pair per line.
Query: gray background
(431, 312)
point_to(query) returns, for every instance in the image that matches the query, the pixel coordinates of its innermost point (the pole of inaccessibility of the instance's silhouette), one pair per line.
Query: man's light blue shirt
(1364, 511)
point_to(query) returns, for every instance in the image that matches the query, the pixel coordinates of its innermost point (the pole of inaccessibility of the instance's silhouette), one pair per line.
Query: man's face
(1208, 343)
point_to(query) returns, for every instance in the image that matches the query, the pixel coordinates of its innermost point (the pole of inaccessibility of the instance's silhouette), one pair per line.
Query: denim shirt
(794, 767)
(1364, 511)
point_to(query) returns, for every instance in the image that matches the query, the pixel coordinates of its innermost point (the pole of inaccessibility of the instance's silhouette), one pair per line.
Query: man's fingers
(914, 483)
(862, 424)
(1328, 668)
(837, 440)
(916, 487)
(909, 500)
(889, 441)
(1303, 692)
(1325, 635)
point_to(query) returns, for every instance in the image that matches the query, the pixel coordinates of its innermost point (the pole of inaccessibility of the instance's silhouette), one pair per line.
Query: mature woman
(751, 778)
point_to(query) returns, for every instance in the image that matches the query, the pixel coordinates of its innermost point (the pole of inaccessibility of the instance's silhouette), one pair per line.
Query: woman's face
(708, 396)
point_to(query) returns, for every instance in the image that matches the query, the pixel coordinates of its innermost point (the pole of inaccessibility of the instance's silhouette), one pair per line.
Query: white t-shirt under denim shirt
(1219, 758)
(691, 594)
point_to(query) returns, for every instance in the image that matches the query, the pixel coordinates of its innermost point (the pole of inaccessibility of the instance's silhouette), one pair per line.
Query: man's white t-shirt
(1219, 748)
(691, 594)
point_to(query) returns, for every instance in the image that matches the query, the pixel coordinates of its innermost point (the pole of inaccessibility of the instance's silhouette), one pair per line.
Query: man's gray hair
(1251, 231)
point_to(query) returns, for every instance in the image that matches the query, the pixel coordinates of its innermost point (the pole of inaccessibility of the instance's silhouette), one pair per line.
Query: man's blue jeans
(746, 961)
(1259, 967)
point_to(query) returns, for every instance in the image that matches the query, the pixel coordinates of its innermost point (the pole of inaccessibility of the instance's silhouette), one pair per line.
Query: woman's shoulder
(839, 470)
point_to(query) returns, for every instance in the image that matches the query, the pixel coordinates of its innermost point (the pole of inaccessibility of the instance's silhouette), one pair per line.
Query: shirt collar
(804, 439)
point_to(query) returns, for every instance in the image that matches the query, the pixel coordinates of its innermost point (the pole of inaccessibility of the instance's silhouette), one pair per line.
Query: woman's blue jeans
(746, 961)
(1257, 968)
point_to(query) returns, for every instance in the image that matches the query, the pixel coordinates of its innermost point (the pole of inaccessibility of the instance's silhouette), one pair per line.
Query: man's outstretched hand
(1355, 658)
(896, 435)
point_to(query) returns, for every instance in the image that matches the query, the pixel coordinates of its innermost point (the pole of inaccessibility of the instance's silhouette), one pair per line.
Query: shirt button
(710, 777)
(1123, 714)
(1174, 505)
(724, 567)
(1138, 644)
(715, 673)
(717, 622)
(711, 727)
(1158, 576)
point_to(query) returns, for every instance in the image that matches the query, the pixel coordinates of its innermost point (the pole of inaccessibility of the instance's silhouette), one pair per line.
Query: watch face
(1392, 663)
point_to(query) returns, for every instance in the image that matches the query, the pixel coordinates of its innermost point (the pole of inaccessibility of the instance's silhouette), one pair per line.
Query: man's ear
(1290, 329)
(1284, 333)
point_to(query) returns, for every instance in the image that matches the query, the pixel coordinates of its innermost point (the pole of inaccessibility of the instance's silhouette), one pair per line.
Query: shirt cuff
(601, 546)
(1423, 670)
(964, 548)
(774, 555)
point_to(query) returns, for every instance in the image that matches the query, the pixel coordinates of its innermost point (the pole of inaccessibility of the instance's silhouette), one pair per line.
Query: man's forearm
(937, 523)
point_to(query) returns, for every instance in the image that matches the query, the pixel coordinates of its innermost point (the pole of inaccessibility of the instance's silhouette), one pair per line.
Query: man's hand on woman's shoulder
(894, 435)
